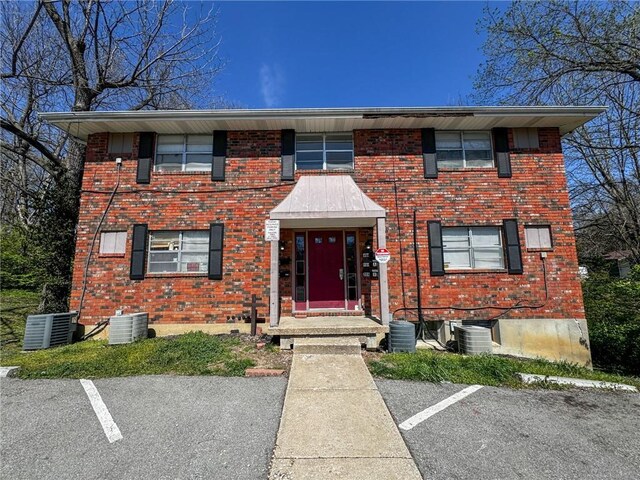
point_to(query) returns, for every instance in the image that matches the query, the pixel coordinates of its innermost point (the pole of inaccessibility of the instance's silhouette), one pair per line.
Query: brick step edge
(263, 372)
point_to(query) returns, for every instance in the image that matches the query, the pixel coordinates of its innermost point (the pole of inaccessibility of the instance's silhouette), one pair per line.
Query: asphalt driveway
(497, 433)
(171, 427)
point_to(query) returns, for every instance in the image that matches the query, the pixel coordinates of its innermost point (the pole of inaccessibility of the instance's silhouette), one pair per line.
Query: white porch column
(384, 284)
(273, 296)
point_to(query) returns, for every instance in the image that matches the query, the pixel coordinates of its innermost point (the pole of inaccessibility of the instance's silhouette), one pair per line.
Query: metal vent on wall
(128, 328)
(48, 330)
(473, 340)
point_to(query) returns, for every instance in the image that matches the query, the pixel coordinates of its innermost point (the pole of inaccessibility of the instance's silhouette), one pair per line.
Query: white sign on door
(272, 230)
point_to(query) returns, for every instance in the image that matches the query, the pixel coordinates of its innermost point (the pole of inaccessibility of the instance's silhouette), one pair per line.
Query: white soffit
(327, 200)
(82, 124)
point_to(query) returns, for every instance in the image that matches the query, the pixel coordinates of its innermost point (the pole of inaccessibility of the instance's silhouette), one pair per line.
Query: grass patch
(15, 305)
(194, 353)
(429, 366)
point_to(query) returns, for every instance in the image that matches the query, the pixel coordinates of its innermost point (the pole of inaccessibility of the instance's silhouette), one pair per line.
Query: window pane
(485, 236)
(339, 145)
(156, 256)
(200, 143)
(477, 141)
(198, 162)
(457, 259)
(168, 163)
(488, 258)
(448, 141)
(163, 267)
(455, 236)
(164, 240)
(308, 142)
(479, 163)
(194, 262)
(195, 241)
(309, 160)
(478, 155)
(538, 237)
(337, 160)
(170, 144)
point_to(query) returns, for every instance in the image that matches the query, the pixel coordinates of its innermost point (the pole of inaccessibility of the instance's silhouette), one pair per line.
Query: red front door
(326, 269)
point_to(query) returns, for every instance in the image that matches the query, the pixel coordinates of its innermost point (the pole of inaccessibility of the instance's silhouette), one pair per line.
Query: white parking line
(438, 407)
(110, 428)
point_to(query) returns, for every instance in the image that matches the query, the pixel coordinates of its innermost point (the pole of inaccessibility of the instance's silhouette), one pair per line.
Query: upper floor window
(120, 143)
(113, 243)
(464, 149)
(184, 153)
(178, 252)
(538, 237)
(472, 248)
(330, 151)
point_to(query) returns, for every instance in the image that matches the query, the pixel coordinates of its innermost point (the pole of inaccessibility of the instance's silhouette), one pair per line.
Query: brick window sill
(176, 275)
(469, 169)
(198, 173)
(475, 271)
(111, 255)
(539, 250)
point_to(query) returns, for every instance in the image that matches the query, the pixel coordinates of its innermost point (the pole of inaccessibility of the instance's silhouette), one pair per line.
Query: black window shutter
(288, 154)
(512, 241)
(429, 153)
(219, 155)
(436, 252)
(501, 149)
(216, 236)
(138, 251)
(145, 157)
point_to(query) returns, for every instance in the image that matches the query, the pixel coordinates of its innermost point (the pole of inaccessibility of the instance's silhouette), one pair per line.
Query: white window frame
(464, 152)
(184, 152)
(120, 239)
(471, 248)
(179, 252)
(528, 236)
(324, 150)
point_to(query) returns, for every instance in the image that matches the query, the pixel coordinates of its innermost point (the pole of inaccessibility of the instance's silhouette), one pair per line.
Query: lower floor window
(472, 248)
(178, 252)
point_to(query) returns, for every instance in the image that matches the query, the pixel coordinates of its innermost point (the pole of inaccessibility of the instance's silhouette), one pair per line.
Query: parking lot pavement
(497, 433)
(172, 428)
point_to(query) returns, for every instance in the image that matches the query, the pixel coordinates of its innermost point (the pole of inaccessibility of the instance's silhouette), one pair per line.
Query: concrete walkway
(335, 424)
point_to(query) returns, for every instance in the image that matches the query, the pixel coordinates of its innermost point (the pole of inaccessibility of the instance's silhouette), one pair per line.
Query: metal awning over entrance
(323, 202)
(327, 201)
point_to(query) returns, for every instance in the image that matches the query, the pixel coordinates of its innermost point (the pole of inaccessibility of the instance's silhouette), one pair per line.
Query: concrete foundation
(556, 339)
(166, 329)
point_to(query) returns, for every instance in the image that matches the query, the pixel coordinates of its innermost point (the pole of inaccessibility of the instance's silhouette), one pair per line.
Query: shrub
(612, 308)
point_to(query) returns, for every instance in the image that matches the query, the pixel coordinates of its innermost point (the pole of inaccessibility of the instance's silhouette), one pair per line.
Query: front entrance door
(326, 269)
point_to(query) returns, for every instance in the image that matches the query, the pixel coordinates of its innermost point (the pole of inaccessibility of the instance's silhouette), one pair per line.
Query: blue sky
(331, 54)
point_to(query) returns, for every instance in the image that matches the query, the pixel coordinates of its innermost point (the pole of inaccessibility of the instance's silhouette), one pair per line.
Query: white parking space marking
(110, 428)
(438, 407)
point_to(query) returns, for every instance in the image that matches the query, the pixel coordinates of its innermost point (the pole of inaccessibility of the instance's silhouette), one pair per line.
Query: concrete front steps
(327, 345)
(367, 330)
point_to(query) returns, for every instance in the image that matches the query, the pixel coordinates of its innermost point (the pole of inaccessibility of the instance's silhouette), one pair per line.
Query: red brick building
(482, 190)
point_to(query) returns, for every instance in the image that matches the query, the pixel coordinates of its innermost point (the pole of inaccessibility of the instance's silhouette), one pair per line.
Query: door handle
(341, 274)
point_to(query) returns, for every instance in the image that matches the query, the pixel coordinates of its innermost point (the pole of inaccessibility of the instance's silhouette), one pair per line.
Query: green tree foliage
(82, 55)
(578, 53)
(613, 313)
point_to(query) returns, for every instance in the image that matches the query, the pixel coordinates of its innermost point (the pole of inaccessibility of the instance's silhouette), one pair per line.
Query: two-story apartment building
(471, 202)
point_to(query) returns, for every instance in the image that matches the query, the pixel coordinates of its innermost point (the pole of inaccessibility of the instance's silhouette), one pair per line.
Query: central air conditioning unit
(128, 328)
(473, 340)
(49, 330)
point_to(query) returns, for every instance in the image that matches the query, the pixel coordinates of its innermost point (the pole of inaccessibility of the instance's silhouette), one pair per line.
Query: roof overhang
(82, 124)
(327, 201)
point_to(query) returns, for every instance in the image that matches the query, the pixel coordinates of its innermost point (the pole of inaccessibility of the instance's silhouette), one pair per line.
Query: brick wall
(536, 194)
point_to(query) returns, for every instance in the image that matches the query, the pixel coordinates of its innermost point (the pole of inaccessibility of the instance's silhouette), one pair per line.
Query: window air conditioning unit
(473, 340)
(49, 330)
(128, 328)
